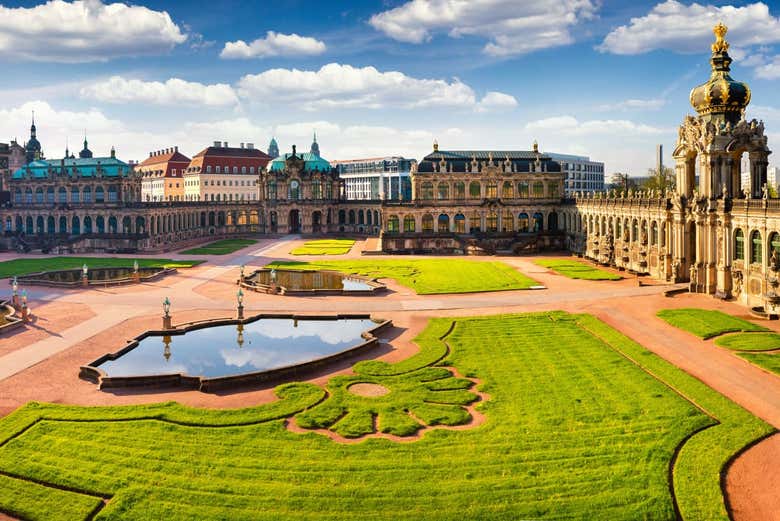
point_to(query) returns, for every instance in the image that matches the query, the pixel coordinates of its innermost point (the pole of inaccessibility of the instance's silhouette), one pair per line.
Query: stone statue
(675, 270)
(774, 261)
(694, 274)
(765, 191)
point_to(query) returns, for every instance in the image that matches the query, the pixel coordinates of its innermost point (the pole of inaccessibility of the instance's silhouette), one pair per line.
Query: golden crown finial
(720, 45)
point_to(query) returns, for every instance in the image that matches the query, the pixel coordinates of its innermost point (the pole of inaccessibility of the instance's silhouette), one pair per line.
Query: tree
(659, 181)
(621, 182)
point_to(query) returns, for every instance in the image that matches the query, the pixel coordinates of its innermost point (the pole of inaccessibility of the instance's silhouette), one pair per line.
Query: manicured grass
(429, 276)
(750, 341)
(579, 425)
(21, 267)
(223, 247)
(576, 270)
(325, 247)
(770, 362)
(706, 323)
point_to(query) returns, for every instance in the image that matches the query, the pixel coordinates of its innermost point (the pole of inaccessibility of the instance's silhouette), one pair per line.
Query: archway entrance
(316, 222)
(294, 221)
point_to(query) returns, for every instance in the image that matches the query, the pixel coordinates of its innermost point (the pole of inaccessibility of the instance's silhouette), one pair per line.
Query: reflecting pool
(300, 280)
(235, 349)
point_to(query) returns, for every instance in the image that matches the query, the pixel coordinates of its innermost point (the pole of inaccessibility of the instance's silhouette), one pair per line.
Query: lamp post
(241, 274)
(167, 314)
(15, 293)
(84, 275)
(240, 299)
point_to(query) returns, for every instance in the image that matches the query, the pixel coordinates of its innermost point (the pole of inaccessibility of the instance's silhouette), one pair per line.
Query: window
(74, 195)
(392, 224)
(553, 189)
(87, 195)
(443, 191)
(538, 189)
(426, 191)
(316, 189)
(39, 195)
(251, 170)
(50, 195)
(460, 223)
(460, 190)
(522, 190)
(475, 190)
(443, 223)
(243, 170)
(62, 195)
(491, 222)
(272, 190)
(173, 171)
(757, 251)
(208, 169)
(427, 223)
(409, 223)
(507, 191)
(492, 191)
(235, 169)
(654, 234)
(295, 190)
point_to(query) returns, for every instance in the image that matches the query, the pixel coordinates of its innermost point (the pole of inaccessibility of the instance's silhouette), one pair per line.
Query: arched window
(552, 221)
(475, 222)
(316, 189)
(426, 191)
(100, 196)
(50, 195)
(654, 233)
(507, 190)
(757, 251)
(553, 189)
(75, 195)
(443, 223)
(634, 230)
(18, 196)
(538, 222)
(475, 190)
(218, 169)
(443, 191)
(774, 245)
(427, 223)
(361, 217)
(491, 191)
(342, 217)
(272, 190)
(352, 217)
(409, 223)
(39, 195)
(460, 223)
(522, 222)
(62, 195)
(294, 192)
(507, 221)
(392, 224)
(460, 190)
(538, 189)
(28, 196)
(491, 222)
(112, 194)
(522, 190)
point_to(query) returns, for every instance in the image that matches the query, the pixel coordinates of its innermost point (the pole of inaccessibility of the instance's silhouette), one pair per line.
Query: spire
(315, 148)
(67, 152)
(273, 148)
(86, 153)
(32, 127)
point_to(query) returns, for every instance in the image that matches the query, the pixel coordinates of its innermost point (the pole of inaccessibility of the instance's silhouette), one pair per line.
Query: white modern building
(580, 173)
(376, 179)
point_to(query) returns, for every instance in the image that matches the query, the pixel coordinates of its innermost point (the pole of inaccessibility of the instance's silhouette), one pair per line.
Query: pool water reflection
(235, 349)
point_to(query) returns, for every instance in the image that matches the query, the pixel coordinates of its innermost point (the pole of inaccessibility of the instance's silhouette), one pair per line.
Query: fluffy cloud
(570, 126)
(770, 70)
(344, 86)
(274, 44)
(512, 27)
(173, 92)
(688, 28)
(496, 101)
(634, 104)
(84, 31)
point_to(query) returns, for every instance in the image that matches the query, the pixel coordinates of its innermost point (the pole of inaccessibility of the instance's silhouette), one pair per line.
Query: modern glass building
(378, 179)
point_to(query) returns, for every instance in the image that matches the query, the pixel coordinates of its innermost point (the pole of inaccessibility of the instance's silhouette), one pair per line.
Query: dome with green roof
(311, 161)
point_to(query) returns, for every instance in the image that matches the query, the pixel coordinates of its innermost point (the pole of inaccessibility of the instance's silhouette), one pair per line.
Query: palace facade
(711, 233)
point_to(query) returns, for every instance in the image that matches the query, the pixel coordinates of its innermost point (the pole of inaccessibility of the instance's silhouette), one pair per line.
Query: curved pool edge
(158, 273)
(91, 372)
(375, 286)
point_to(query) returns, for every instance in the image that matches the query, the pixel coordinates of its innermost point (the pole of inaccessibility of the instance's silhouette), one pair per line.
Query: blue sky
(606, 79)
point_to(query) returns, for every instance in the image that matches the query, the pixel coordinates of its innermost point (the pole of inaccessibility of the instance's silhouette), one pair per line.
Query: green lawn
(706, 323)
(325, 247)
(574, 430)
(770, 362)
(21, 267)
(429, 276)
(750, 341)
(577, 270)
(223, 247)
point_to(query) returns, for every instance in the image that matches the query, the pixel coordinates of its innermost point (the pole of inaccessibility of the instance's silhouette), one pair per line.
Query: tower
(273, 148)
(32, 149)
(86, 153)
(315, 148)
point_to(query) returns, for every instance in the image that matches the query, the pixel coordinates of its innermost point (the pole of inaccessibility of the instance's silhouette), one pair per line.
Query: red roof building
(224, 173)
(163, 175)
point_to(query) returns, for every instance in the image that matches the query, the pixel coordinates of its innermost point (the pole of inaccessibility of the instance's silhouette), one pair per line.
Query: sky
(603, 78)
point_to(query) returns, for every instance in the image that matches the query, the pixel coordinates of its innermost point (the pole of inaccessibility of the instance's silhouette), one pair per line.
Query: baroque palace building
(721, 239)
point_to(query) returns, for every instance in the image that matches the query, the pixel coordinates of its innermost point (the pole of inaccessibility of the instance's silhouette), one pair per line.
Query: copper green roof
(311, 162)
(80, 167)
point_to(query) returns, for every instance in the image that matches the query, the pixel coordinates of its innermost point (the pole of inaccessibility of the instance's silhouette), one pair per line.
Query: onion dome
(721, 95)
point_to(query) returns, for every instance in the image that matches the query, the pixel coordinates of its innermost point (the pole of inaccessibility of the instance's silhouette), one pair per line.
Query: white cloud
(511, 27)
(634, 104)
(274, 44)
(688, 28)
(770, 70)
(84, 31)
(173, 92)
(496, 101)
(570, 126)
(343, 86)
